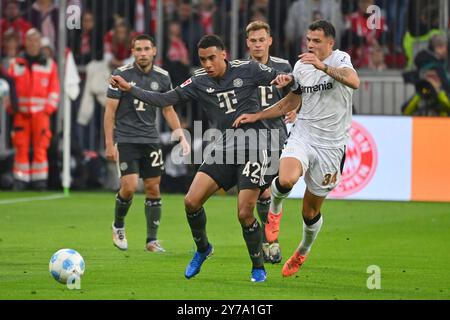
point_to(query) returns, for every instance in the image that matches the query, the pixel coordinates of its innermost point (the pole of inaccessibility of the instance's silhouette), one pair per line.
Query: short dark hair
(211, 40)
(143, 37)
(325, 26)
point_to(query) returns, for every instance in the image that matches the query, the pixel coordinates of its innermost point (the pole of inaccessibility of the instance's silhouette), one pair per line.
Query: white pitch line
(18, 200)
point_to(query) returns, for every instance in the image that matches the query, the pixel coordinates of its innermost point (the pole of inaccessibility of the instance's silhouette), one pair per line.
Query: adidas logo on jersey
(317, 87)
(210, 90)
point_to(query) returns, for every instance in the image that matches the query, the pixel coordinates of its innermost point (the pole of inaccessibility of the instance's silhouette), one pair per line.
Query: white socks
(277, 197)
(309, 235)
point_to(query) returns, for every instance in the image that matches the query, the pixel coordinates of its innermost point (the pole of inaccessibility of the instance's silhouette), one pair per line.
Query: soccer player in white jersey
(324, 83)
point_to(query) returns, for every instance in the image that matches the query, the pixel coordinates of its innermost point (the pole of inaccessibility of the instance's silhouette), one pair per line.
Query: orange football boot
(273, 226)
(293, 264)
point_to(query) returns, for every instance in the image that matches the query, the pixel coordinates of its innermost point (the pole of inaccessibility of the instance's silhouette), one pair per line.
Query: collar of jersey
(140, 70)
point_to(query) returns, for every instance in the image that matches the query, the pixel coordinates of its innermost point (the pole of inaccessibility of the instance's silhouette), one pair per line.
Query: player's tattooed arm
(344, 75)
(290, 103)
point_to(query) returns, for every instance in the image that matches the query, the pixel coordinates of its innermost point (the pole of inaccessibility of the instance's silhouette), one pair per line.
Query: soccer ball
(66, 263)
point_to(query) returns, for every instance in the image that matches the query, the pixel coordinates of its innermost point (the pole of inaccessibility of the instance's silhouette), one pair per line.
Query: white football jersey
(324, 119)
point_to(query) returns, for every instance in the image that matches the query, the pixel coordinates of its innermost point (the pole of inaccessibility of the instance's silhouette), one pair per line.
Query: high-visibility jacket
(37, 86)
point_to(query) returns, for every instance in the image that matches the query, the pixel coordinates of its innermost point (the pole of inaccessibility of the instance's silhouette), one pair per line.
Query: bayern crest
(360, 162)
(154, 86)
(238, 82)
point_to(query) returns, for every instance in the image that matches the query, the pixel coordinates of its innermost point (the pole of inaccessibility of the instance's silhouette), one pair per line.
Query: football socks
(197, 223)
(153, 217)
(253, 239)
(262, 207)
(278, 194)
(121, 210)
(310, 230)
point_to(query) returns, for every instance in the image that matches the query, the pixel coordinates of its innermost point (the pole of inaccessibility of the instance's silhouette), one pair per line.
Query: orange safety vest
(37, 87)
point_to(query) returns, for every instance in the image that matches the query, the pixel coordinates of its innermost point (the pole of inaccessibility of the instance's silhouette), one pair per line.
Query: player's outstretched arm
(153, 98)
(281, 108)
(283, 80)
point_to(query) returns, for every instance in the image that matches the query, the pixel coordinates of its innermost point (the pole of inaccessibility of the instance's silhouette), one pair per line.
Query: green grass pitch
(409, 242)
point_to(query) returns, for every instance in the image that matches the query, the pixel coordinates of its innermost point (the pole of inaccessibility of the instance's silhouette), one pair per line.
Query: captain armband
(298, 90)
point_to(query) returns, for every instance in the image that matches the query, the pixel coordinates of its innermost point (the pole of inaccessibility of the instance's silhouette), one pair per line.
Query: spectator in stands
(86, 43)
(177, 58)
(261, 6)
(258, 15)
(300, 16)
(207, 9)
(170, 9)
(44, 16)
(11, 48)
(358, 39)
(396, 15)
(376, 62)
(177, 48)
(31, 123)
(423, 24)
(117, 44)
(13, 22)
(191, 28)
(47, 48)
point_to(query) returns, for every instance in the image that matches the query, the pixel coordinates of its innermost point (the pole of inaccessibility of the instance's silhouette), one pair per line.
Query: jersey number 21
(139, 105)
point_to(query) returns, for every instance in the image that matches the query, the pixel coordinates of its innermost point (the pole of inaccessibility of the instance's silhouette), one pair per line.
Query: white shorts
(322, 167)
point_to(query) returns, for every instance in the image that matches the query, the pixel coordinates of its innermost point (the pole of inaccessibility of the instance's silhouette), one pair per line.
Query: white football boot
(154, 246)
(119, 237)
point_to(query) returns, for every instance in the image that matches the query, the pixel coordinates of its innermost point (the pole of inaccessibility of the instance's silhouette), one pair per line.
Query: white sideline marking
(30, 199)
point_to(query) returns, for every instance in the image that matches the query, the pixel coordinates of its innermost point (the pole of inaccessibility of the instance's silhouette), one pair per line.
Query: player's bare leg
(312, 222)
(152, 213)
(251, 231)
(202, 187)
(128, 186)
(290, 171)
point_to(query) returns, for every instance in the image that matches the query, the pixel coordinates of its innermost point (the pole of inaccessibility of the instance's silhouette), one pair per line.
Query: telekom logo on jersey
(360, 162)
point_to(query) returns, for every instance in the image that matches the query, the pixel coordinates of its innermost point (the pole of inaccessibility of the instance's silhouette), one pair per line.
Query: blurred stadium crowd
(409, 39)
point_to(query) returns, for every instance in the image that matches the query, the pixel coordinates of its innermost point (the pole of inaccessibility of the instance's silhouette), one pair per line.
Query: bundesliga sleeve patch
(186, 83)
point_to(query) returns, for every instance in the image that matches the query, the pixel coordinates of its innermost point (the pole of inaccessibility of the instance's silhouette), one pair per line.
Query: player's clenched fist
(282, 80)
(311, 58)
(111, 153)
(119, 82)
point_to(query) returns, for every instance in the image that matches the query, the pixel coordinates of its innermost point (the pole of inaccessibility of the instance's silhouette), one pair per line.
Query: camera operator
(432, 83)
